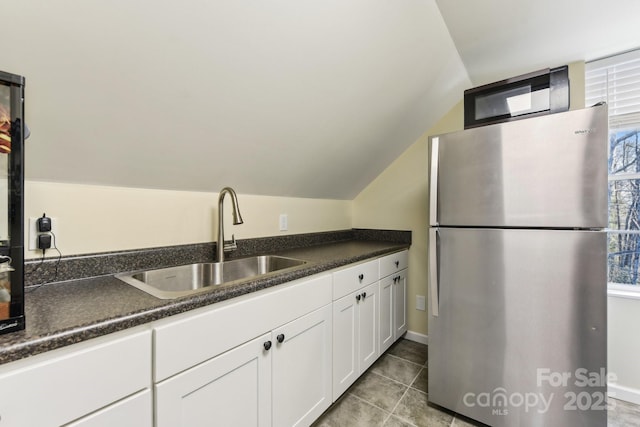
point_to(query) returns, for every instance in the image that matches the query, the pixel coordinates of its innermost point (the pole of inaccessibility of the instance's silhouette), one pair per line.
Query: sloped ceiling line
(289, 98)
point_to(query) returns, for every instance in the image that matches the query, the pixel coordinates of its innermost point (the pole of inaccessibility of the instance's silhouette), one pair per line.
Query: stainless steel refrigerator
(517, 271)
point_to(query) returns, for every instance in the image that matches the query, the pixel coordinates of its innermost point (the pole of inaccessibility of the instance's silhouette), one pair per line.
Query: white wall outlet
(33, 233)
(420, 303)
(284, 222)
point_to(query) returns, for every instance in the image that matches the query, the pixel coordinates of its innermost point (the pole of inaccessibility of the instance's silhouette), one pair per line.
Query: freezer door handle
(433, 270)
(433, 182)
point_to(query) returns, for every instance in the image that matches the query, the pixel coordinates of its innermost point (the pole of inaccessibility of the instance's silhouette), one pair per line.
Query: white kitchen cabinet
(345, 344)
(393, 298)
(355, 336)
(400, 304)
(212, 370)
(301, 373)
(185, 340)
(233, 389)
(92, 377)
(387, 311)
(282, 378)
(368, 326)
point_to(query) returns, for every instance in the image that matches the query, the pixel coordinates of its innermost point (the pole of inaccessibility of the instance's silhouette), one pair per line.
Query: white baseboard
(417, 337)
(627, 394)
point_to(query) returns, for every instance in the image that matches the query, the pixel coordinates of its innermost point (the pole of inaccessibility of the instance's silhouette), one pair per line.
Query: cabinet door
(400, 305)
(232, 389)
(345, 350)
(387, 320)
(368, 326)
(301, 373)
(134, 411)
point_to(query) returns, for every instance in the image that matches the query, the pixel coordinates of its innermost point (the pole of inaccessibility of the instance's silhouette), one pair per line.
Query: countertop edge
(39, 344)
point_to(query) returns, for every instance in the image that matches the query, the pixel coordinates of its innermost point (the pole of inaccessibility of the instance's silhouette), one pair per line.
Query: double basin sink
(174, 282)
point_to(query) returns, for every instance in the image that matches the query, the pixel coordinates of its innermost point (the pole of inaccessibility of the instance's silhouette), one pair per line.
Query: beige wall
(577, 91)
(397, 199)
(97, 219)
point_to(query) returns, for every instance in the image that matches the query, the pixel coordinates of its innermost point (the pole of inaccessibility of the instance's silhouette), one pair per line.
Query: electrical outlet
(420, 303)
(284, 222)
(33, 232)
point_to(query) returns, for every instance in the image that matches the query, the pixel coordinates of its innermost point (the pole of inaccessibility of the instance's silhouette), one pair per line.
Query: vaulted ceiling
(286, 98)
(497, 39)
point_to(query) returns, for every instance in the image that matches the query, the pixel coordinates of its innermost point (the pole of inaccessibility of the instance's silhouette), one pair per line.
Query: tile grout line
(374, 405)
(414, 380)
(394, 380)
(396, 406)
(403, 394)
(390, 413)
(423, 366)
(406, 360)
(399, 382)
(408, 387)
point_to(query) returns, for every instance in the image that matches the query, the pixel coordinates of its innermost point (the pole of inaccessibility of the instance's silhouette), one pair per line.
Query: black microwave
(534, 94)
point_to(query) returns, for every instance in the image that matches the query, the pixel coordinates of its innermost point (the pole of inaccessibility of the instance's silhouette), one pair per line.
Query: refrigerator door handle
(433, 182)
(433, 271)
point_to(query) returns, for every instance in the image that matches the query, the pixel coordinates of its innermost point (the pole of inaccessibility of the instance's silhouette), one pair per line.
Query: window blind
(616, 80)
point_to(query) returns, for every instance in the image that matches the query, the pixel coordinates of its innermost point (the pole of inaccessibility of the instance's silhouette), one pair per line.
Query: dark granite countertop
(63, 313)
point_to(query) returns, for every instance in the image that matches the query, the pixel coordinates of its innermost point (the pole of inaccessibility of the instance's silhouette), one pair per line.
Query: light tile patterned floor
(393, 393)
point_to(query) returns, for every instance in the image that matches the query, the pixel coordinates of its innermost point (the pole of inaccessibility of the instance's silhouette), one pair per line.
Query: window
(616, 80)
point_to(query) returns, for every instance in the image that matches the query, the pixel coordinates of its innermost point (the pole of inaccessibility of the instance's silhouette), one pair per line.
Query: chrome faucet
(223, 246)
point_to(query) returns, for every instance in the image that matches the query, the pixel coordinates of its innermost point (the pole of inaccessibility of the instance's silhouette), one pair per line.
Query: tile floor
(393, 393)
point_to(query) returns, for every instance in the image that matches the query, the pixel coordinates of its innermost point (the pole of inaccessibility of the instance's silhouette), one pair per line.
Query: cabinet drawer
(63, 385)
(353, 278)
(393, 263)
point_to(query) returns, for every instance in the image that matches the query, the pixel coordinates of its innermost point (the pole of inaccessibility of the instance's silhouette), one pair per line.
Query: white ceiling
(498, 39)
(287, 98)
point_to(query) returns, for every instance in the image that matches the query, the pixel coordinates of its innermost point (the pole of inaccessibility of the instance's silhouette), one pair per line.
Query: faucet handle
(231, 245)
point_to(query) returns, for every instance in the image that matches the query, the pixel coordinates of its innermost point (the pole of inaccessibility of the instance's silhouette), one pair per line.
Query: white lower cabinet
(355, 336)
(368, 327)
(103, 380)
(301, 375)
(282, 378)
(399, 304)
(232, 389)
(393, 298)
(367, 321)
(277, 357)
(387, 317)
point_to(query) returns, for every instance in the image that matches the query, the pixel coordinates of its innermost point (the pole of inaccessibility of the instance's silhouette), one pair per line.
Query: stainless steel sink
(173, 282)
